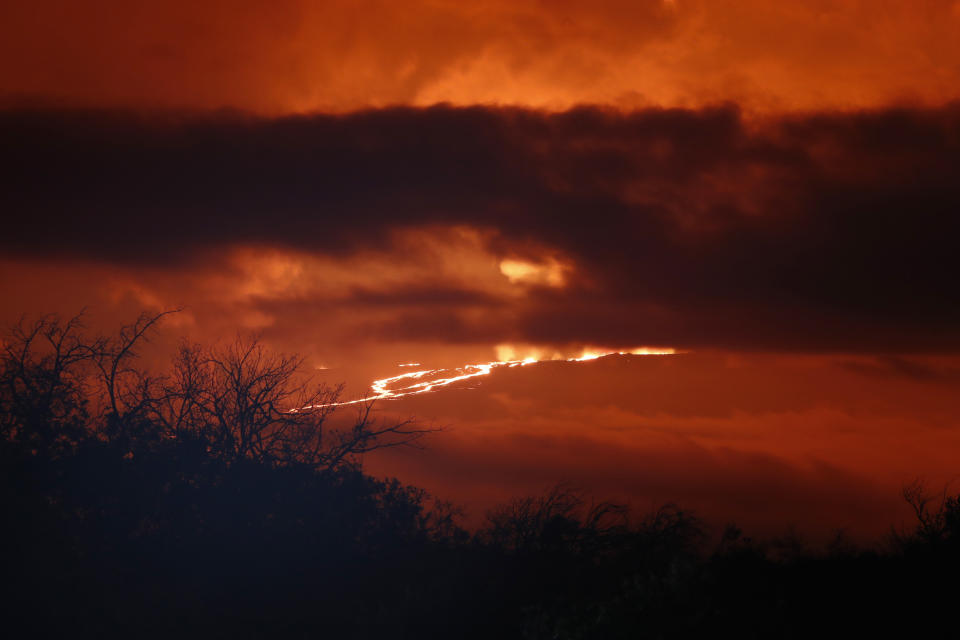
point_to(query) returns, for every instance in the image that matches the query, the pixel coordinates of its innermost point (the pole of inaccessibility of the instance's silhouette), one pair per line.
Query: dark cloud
(912, 369)
(691, 228)
(421, 296)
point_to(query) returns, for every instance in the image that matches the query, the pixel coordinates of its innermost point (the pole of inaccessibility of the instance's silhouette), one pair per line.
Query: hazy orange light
(549, 273)
(296, 56)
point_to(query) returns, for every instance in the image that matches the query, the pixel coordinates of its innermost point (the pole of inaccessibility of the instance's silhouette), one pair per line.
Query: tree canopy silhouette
(241, 400)
(226, 497)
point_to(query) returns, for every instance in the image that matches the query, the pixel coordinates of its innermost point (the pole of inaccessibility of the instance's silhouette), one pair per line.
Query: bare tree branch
(128, 390)
(247, 402)
(43, 377)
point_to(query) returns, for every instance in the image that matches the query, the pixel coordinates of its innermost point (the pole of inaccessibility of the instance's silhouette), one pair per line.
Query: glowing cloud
(550, 273)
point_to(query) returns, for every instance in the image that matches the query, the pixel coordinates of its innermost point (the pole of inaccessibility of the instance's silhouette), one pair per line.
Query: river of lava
(426, 380)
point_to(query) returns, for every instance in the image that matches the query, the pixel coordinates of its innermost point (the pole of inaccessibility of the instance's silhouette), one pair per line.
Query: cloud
(289, 56)
(675, 227)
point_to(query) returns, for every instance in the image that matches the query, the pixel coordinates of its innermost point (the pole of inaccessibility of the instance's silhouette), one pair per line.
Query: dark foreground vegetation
(196, 504)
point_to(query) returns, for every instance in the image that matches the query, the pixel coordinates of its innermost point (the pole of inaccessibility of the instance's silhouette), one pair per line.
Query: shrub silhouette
(220, 500)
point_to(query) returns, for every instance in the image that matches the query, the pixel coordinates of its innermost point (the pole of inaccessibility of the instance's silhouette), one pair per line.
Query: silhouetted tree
(246, 402)
(129, 392)
(556, 519)
(218, 484)
(242, 400)
(44, 383)
(226, 497)
(937, 517)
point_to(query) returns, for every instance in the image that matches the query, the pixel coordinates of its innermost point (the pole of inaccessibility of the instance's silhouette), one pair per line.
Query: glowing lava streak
(423, 381)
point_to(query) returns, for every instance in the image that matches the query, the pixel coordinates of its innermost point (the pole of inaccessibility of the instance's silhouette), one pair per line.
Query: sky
(766, 188)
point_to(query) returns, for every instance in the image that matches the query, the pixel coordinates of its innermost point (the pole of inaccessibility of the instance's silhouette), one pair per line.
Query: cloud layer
(283, 56)
(689, 228)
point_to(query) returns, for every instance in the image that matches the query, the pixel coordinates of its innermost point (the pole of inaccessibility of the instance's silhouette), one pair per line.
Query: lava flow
(426, 380)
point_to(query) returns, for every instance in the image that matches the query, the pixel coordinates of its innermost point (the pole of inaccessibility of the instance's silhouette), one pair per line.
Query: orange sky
(293, 55)
(769, 186)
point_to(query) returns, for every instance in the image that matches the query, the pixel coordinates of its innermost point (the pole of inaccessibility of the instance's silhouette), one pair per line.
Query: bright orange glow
(549, 273)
